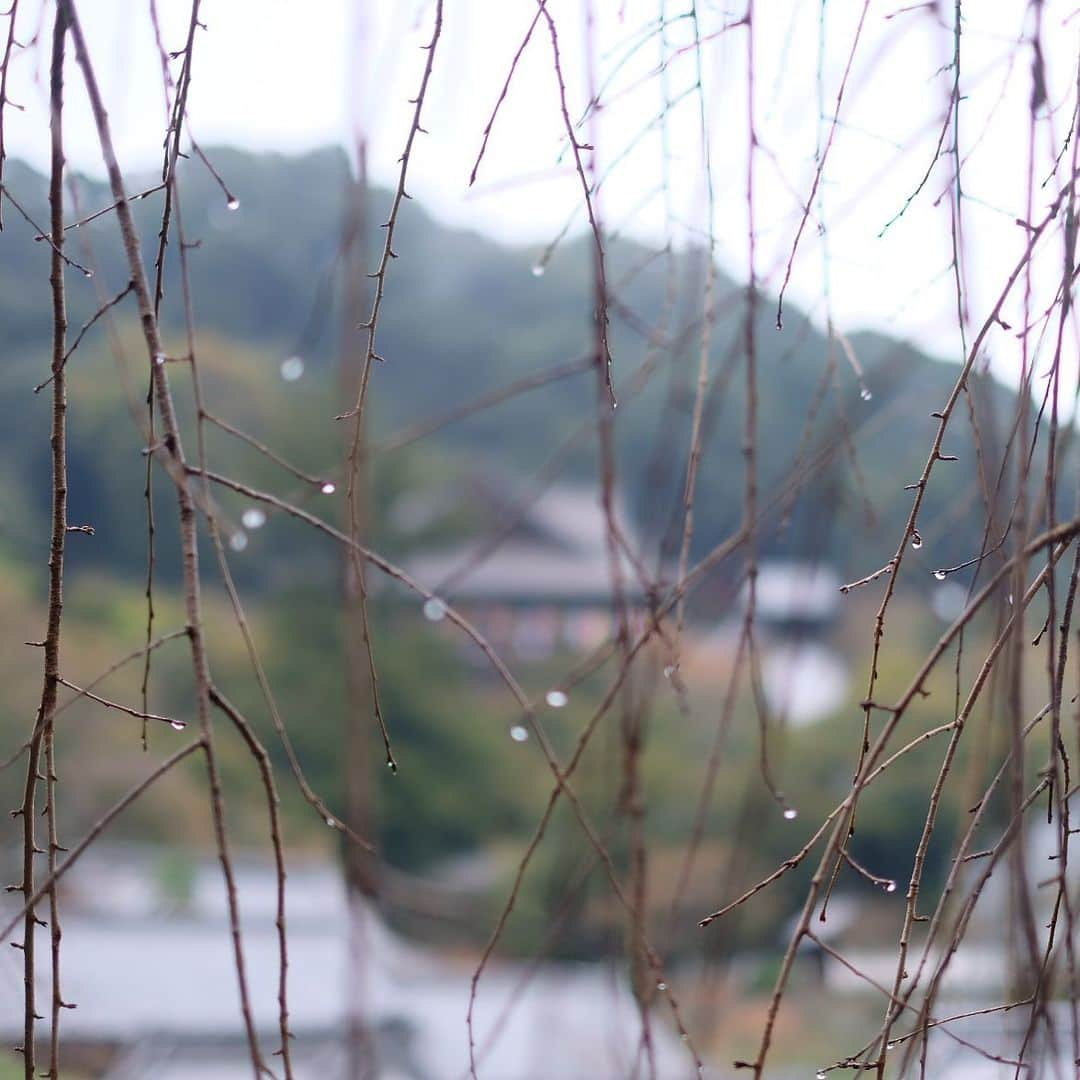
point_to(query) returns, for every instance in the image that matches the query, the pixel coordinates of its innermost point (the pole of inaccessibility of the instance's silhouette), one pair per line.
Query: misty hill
(464, 315)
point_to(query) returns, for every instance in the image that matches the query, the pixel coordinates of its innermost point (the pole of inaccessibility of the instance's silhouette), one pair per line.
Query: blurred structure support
(360, 866)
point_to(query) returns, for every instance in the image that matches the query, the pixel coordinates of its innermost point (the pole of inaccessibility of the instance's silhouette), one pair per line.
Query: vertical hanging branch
(43, 725)
(371, 355)
(632, 713)
(56, 560)
(361, 865)
(750, 425)
(254, 745)
(175, 112)
(5, 64)
(172, 455)
(600, 288)
(819, 171)
(696, 430)
(1026, 956)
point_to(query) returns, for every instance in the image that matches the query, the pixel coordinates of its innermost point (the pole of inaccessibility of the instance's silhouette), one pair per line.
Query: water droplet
(940, 575)
(670, 670)
(790, 813)
(159, 359)
(328, 487)
(890, 886)
(88, 273)
(1010, 599)
(233, 203)
(434, 609)
(177, 725)
(538, 270)
(331, 823)
(916, 540)
(557, 699)
(253, 518)
(238, 541)
(820, 1075)
(889, 1046)
(865, 393)
(661, 986)
(292, 369)
(519, 733)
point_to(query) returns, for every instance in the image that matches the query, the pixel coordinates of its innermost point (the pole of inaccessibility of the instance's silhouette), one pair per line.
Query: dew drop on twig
(292, 368)
(940, 575)
(434, 609)
(916, 540)
(177, 725)
(519, 733)
(233, 203)
(865, 393)
(328, 487)
(538, 269)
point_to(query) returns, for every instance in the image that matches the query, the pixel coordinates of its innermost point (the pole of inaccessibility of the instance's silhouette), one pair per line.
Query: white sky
(276, 74)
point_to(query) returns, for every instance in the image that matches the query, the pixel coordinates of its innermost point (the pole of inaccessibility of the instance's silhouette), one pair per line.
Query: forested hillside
(443, 335)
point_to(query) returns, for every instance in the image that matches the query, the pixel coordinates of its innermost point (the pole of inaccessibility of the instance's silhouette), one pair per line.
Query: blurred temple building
(532, 572)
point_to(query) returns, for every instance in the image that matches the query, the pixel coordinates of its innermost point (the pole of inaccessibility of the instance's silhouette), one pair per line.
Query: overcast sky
(275, 74)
